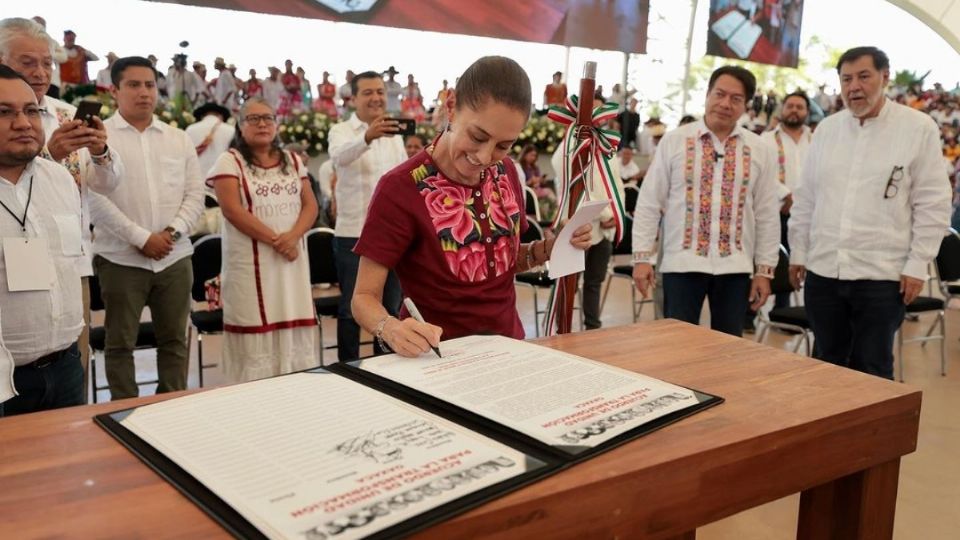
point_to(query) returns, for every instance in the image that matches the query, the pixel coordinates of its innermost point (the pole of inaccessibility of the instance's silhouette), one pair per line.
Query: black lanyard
(22, 222)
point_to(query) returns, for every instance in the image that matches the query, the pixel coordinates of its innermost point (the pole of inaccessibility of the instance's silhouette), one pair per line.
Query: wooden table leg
(860, 506)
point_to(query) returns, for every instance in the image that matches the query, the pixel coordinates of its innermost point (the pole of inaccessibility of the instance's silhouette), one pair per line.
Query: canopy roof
(943, 16)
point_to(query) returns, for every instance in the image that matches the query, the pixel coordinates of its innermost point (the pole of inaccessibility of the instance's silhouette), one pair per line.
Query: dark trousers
(783, 299)
(348, 331)
(594, 273)
(53, 382)
(125, 291)
(684, 292)
(854, 322)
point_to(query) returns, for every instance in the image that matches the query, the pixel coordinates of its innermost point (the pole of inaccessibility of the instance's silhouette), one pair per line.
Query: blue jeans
(854, 322)
(348, 331)
(57, 382)
(684, 293)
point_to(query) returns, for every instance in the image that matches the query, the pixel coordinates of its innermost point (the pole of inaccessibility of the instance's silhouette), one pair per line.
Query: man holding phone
(79, 144)
(362, 149)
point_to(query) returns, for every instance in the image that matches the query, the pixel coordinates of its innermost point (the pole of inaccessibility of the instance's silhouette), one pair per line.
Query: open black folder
(383, 447)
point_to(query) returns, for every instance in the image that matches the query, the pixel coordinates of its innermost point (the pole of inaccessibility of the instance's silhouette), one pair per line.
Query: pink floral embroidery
(504, 252)
(469, 262)
(463, 237)
(501, 210)
(448, 208)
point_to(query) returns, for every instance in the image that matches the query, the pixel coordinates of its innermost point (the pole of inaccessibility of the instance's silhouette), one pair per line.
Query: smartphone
(86, 111)
(408, 126)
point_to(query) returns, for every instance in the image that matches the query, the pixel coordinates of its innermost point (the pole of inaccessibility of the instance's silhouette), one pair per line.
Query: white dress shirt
(225, 91)
(841, 225)
(102, 177)
(183, 81)
(161, 187)
(794, 153)
(394, 93)
(629, 170)
(103, 79)
(272, 90)
(222, 134)
(37, 323)
(672, 188)
(359, 167)
(325, 178)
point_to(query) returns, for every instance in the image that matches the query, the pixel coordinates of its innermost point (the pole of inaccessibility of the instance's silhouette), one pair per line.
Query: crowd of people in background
(141, 185)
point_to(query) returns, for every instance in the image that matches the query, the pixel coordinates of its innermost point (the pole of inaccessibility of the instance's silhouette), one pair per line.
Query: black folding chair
(947, 270)
(630, 195)
(323, 269)
(948, 265)
(537, 281)
(206, 265)
(532, 208)
(625, 271)
(146, 338)
(791, 318)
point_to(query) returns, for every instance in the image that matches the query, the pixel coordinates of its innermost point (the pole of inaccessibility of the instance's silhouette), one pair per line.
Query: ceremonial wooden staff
(567, 288)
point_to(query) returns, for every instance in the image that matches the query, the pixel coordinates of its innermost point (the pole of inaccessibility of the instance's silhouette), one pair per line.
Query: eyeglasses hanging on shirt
(892, 183)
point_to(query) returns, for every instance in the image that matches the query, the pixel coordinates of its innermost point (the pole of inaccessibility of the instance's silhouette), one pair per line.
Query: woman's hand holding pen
(410, 337)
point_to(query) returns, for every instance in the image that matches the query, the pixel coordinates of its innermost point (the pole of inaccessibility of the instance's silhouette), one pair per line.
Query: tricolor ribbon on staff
(586, 145)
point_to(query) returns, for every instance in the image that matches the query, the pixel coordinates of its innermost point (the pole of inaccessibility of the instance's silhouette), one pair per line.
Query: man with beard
(362, 148)
(790, 141)
(868, 217)
(714, 184)
(40, 296)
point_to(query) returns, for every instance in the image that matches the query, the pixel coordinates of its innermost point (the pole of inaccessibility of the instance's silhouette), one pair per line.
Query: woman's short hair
(498, 79)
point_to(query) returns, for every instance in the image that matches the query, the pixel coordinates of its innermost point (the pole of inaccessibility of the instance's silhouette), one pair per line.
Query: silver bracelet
(378, 333)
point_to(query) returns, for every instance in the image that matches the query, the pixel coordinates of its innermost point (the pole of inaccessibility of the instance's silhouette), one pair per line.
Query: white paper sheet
(29, 265)
(728, 24)
(743, 41)
(555, 397)
(564, 258)
(315, 455)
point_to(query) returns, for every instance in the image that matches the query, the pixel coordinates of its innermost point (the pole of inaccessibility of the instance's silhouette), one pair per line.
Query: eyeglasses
(31, 112)
(255, 119)
(893, 187)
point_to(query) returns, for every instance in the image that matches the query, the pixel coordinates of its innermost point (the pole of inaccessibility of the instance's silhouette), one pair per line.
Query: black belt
(44, 361)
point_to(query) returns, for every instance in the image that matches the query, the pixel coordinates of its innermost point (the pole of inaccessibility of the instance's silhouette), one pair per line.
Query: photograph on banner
(612, 25)
(764, 31)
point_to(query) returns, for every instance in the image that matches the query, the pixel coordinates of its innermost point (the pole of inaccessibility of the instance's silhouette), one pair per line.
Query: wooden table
(790, 424)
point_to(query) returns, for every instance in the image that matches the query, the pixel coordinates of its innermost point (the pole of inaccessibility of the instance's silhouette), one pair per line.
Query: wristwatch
(175, 234)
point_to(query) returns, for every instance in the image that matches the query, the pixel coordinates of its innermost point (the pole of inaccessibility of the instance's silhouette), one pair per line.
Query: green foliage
(908, 79)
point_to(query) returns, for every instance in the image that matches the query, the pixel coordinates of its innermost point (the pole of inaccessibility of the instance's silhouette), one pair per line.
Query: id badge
(29, 265)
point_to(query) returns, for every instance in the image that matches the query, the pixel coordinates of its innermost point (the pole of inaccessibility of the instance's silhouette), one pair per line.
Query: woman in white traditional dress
(268, 206)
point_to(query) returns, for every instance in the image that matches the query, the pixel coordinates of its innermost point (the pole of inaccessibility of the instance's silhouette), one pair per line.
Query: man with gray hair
(80, 147)
(868, 216)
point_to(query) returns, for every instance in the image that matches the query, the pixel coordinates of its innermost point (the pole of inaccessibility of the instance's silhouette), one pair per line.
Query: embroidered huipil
(718, 201)
(454, 247)
(790, 156)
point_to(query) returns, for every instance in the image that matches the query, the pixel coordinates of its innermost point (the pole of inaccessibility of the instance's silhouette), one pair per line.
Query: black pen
(415, 313)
